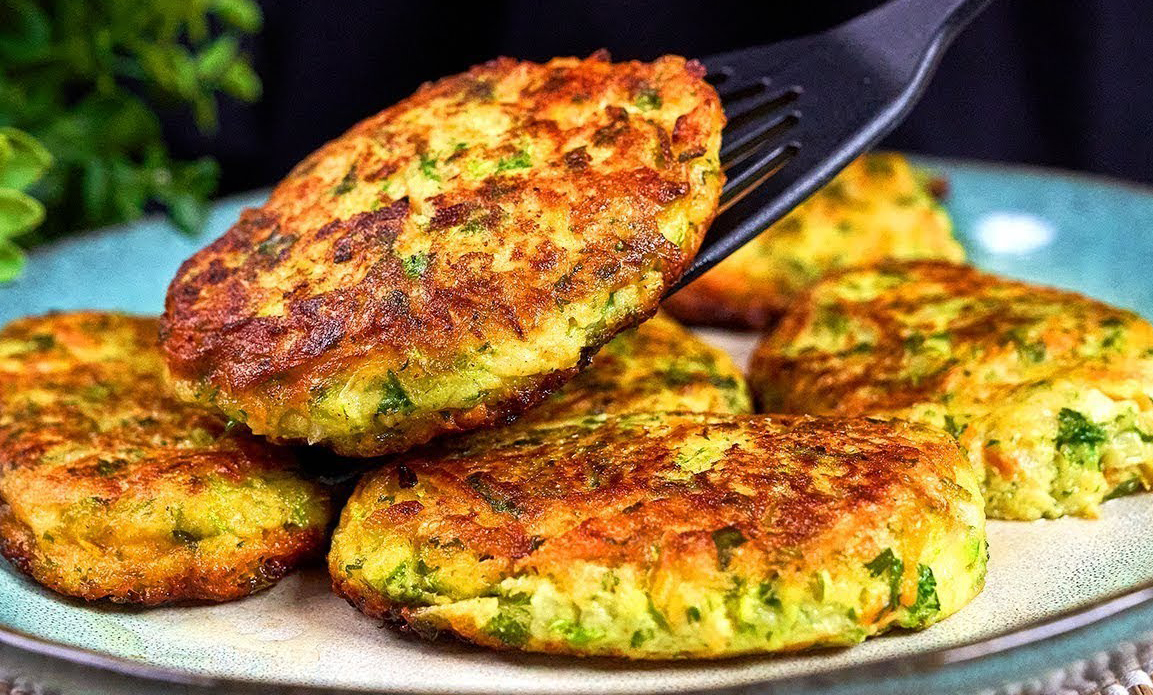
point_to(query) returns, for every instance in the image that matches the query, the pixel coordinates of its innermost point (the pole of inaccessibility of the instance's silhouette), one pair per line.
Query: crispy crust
(879, 208)
(111, 489)
(491, 209)
(634, 495)
(816, 361)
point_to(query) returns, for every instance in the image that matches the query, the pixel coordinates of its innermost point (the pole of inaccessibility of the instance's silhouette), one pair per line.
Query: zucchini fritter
(450, 261)
(1048, 390)
(112, 489)
(669, 535)
(657, 366)
(878, 208)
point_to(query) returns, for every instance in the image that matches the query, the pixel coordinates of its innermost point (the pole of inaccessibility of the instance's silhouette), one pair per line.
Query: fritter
(1048, 390)
(657, 366)
(112, 489)
(879, 208)
(669, 535)
(450, 261)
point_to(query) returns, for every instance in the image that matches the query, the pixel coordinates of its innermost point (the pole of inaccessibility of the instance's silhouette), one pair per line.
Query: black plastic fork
(800, 110)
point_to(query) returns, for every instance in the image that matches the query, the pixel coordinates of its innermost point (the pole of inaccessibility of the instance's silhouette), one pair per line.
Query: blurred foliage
(87, 77)
(23, 162)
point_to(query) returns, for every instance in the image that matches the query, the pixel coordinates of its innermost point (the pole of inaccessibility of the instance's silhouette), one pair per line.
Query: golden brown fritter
(668, 535)
(450, 261)
(1048, 390)
(657, 366)
(879, 208)
(112, 489)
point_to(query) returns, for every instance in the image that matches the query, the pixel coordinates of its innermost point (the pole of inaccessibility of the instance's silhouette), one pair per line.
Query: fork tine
(860, 78)
(761, 108)
(734, 95)
(737, 150)
(755, 174)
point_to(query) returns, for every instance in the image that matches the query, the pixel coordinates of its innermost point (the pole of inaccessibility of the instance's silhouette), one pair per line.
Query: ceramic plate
(1044, 578)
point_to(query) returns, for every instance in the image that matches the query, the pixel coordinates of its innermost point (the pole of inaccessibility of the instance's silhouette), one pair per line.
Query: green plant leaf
(188, 212)
(241, 14)
(241, 81)
(24, 160)
(19, 212)
(212, 61)
(11, 261)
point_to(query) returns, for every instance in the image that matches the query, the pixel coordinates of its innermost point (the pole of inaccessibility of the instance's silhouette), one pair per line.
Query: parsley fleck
(508, 628)
(428, 166)
(1075, 429)
(393, 398)
(648, 99)
(415, 265)
(888, 563)
(727, 540)
(927, 602)
(347, 183)
(520, 160)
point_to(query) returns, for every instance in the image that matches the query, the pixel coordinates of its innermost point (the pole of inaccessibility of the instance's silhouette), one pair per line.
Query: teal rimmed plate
(1057, 590)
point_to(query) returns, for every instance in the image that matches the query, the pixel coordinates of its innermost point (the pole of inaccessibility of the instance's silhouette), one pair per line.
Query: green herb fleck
(1030, 352)
(415, 265)
(639, 638)
(657, 616)
(953, 428)
(428, 166)
(888, 563)
(393, 398)
(927, 603)
(1129, 487)
(577, 635)
(497, 499)
(648, 99)
(1078, 437)
(508, 628)
(767, 595)
(347, 183)
(520, 160)
(107, 468)
(693, 614)
(727, 540)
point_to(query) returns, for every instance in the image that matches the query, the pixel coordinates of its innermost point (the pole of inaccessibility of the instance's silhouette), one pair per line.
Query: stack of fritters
(444, 268)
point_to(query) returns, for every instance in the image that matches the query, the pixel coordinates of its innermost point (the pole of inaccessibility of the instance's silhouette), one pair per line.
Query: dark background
(1065, 83)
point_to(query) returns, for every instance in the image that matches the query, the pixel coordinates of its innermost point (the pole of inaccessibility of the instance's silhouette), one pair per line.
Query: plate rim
(1063, 624)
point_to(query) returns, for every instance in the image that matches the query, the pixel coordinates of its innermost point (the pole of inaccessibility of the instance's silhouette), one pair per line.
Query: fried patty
(668, 535)
(657, 366)
(112, 489)
(879, 208)
(1049, 391)
(450, 261)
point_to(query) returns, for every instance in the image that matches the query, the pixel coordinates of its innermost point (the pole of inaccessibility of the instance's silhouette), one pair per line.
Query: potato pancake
(879, 208)
(657, 366)
(1050, 391)
(452, 260)
(112, 489)
(668, 535)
